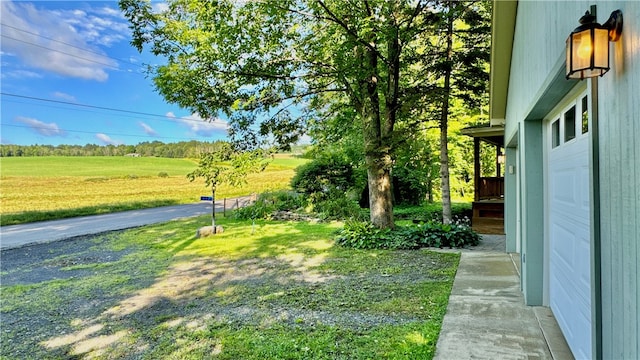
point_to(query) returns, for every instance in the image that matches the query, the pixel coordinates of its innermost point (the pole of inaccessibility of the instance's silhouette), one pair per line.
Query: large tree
(272, 65)
(456, 60)
(464, 67)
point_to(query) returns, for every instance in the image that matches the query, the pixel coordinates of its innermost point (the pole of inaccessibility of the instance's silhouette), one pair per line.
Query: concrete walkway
(487, 318)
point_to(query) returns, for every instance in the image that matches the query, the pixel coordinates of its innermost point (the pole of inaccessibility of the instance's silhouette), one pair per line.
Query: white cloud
(200, 126)
(110, 12)
(42, 128)
(22, 74)
(147, 129)
(159, 7)
(65, 42)
(105, 139)
(64, 96)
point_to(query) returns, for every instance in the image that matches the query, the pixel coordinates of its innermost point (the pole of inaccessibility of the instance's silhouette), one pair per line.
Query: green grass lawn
(47, 188)
(269, 290)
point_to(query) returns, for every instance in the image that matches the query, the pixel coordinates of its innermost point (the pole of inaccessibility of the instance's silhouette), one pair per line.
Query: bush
(319, 178)
(163, 174)
(364, 235)
(267, 203)
(432, 212)
(339, 208)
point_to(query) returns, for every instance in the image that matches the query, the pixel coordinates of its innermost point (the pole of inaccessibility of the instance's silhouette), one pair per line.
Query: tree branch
(355, 36)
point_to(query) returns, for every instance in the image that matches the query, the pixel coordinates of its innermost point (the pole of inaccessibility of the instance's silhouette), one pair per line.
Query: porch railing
(490, 188)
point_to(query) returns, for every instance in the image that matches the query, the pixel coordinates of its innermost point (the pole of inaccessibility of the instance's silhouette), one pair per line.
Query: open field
(273, 290)
(43, 188)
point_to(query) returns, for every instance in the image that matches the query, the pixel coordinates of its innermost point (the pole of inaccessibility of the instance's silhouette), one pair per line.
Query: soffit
(502, 30)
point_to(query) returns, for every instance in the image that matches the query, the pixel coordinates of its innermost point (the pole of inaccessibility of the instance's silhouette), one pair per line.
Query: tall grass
(46, 188)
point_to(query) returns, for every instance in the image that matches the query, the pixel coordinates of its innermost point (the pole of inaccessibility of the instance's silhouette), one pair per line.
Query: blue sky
(69, 76)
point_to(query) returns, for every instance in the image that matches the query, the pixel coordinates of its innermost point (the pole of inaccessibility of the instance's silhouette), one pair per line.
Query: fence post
(224, 207)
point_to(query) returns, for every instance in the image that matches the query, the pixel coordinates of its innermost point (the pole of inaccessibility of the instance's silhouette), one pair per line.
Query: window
(570, 124)
(555, 133)
(585, 115)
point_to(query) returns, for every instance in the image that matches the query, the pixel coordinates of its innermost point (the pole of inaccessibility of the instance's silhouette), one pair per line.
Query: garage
(568, 225)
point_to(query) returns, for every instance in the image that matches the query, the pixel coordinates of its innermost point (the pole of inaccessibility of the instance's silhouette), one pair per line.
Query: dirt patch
(56, 260)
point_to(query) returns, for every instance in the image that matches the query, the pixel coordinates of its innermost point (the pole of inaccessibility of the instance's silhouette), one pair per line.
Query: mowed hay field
(104, 184)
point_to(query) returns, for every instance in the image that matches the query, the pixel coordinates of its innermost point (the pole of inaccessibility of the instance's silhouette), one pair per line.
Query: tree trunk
(376, 147)
(380, 195)
(444, 126)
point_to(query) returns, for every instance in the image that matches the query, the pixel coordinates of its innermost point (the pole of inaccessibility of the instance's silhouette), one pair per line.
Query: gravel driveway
(115, 289)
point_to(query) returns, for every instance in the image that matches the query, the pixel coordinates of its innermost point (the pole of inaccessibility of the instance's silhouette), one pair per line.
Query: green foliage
(267, 203)
(432, 212)
(339, 208)
(163, 174)
(321, 177)
(332, 208)
(181, 149)
(325, 182)
(228, 167)
(373, 65)
(364, 235)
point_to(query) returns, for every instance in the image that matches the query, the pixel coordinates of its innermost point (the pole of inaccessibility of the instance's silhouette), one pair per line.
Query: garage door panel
(584, 188)
(583, 266)
(563, 190)
(568, 229)
(562, 251)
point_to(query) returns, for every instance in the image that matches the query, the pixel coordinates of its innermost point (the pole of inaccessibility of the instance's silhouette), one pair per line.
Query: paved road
(41, 232)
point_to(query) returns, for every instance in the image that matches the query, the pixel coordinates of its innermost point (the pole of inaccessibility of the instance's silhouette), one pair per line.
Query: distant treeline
(183, 149)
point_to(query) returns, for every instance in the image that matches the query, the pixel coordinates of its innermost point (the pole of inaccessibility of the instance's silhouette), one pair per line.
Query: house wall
(536, 85)
(619, 111)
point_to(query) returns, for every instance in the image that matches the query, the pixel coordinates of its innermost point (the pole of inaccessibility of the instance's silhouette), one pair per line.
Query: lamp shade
(587, 49)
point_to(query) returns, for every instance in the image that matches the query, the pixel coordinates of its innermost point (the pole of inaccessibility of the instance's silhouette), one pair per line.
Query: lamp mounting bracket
(614, 24)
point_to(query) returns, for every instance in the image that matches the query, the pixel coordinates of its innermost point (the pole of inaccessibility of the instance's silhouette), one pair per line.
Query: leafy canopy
(226, 166)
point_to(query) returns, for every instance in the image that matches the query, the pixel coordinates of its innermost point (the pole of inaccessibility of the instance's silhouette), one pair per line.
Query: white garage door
(568, 224)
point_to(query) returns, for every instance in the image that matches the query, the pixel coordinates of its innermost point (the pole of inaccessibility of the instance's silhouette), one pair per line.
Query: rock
(293, 216)
(208, 230)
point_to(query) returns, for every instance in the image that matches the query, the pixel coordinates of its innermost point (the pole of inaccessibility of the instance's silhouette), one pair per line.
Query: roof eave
(502, 30)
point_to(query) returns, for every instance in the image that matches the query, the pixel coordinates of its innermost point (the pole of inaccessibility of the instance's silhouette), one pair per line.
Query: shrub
(321, 177)
(339, 208)
(432, 212)
(364, 235)
(163, 174)
(267, 203)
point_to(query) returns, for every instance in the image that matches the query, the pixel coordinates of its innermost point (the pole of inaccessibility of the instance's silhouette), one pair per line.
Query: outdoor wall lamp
(588, 45)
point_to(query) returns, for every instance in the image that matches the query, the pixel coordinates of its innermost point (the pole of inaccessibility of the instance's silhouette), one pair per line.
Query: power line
(66, 44)
(62, 52)
(88, 111)
(163, 117)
